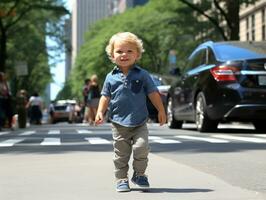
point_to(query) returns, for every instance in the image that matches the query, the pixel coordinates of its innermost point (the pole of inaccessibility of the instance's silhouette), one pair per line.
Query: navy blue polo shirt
(128, 95)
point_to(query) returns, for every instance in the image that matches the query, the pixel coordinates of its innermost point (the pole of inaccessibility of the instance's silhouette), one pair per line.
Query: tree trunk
(233, 8)
(3, 41)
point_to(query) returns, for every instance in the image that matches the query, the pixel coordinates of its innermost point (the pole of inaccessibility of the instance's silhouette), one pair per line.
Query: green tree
(27, 28)
(159, 26)
(14, 11)
(223, 14)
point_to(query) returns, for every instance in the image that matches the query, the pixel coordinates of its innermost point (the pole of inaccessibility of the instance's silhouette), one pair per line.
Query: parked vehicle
(64, 111)
(223, 81)
(163, 85)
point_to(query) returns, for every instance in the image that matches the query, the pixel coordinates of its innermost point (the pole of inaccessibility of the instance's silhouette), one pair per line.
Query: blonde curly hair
(126, 37)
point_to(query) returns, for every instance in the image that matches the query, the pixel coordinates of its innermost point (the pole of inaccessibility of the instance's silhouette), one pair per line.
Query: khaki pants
(126, 140)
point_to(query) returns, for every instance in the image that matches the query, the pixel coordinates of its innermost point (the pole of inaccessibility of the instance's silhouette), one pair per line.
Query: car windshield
(240, 51)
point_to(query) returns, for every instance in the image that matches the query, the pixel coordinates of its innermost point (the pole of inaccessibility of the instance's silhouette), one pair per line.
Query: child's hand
(99, 118)
(162, 117)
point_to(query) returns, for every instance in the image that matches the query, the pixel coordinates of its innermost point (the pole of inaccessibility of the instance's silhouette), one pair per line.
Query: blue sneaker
(122, 186)
(140, 181)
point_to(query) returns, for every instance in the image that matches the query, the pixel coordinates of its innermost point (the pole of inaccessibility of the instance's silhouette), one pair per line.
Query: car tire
(260, 126)
(203, 122)
(171, 121)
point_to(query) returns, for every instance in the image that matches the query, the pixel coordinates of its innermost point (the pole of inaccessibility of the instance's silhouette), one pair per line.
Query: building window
(263, 23)
(253, 27)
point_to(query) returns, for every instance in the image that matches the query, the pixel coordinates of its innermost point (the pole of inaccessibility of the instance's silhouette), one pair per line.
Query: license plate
(262, 80)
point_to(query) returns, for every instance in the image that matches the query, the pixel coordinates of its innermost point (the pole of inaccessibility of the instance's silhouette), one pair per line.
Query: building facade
(253, 22)
(87, 12)
(84, 14)
(68, 49)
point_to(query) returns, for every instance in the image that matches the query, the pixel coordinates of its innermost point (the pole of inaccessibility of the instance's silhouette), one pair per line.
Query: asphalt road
(239, 160)
(65, 161)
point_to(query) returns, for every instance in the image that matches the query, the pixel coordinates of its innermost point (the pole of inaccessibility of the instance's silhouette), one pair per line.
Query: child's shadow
(171, 190)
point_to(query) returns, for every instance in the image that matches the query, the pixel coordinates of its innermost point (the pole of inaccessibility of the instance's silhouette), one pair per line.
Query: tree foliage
(223, 15)
(157, 24)
(24, 26)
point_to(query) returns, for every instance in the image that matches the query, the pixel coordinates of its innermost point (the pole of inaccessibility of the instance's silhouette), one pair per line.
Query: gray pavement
(89, 175)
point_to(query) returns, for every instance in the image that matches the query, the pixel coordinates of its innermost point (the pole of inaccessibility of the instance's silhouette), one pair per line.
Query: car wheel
(171, 121)
(260, 126)
(203, 122)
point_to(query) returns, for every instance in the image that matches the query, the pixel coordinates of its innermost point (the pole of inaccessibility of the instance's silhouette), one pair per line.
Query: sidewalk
(89, 176)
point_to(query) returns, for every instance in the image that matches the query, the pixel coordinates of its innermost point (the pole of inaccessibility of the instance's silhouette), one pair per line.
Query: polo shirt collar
(116, 69)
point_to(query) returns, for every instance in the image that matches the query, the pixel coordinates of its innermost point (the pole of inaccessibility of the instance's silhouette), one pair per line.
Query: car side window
(210, 57)
(199, 58)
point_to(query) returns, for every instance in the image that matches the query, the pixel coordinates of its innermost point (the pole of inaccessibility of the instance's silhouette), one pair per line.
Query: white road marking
(211, 140)
(5, 132)
(260, 135)
(51, 141)
(246, 139)
(97, 140)
(82, 131)
(54, 132)
(161, 140)
(28, 133)
(154, 138)
(10, 142)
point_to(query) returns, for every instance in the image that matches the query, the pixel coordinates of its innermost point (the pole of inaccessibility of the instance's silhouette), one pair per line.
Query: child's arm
(157, 102)
(103, 104)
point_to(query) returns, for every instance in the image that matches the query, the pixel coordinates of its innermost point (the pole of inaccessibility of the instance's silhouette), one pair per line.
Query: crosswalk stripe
(51, 141)
(82, 131)
(246, 139)
(5, 132)
(97, 140)
(10, 142)
(260, 135)
(54, 132)
(154, 138)
(211, 140)
(161, 140)
(27, 133)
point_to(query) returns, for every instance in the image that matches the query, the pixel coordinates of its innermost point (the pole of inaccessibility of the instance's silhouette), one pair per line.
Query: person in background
(93, 98)
(35, 106)
(85, 91)
(51, 111)
(125, 90)
(22, 101)
(6, 110)
(77, 112)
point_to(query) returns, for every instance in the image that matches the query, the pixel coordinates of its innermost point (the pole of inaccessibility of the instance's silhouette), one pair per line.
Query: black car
(163, 85)
(223, 81)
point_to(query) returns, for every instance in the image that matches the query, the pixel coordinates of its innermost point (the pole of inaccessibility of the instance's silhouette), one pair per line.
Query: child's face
(125, 54)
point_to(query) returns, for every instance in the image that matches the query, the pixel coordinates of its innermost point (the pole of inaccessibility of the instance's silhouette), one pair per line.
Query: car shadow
(171, 190)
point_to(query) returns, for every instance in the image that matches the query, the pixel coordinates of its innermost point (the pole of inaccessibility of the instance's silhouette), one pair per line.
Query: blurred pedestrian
(22, 100)
(6, 110)
(51, 111)
(93, 98)
(125, 90)
(85, 91)
(35, 106)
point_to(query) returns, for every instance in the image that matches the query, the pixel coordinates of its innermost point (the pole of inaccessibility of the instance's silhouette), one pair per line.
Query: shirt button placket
(124, 79)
